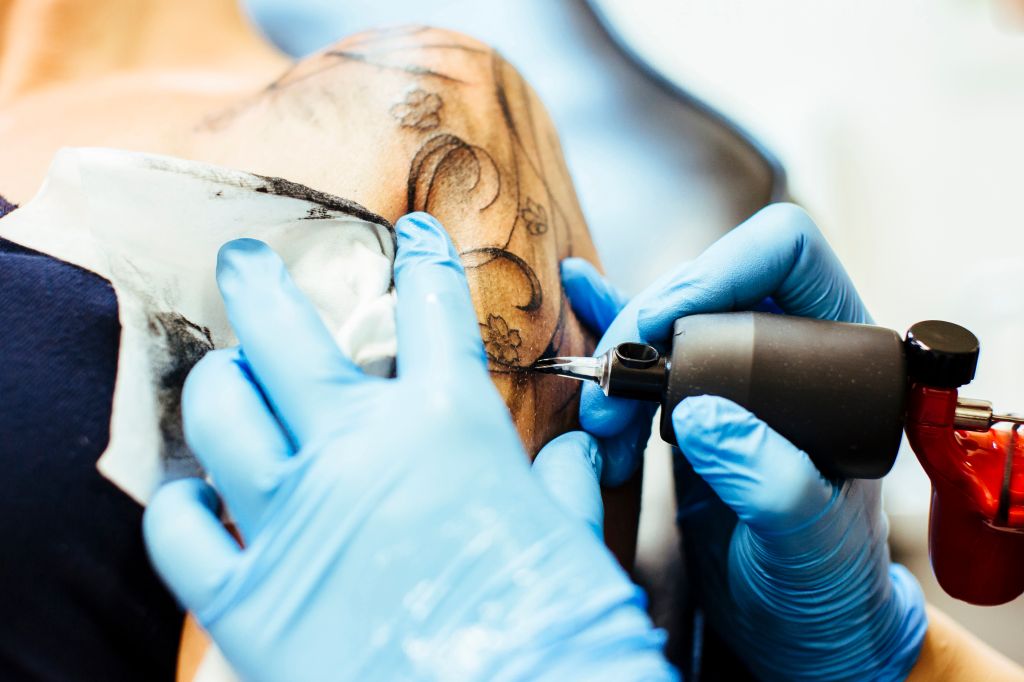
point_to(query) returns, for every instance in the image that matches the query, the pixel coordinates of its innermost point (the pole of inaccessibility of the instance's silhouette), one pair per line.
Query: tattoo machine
(844, 393)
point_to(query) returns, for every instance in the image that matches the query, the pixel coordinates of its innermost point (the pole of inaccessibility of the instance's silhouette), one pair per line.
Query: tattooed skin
(395, 120)
(450, 128)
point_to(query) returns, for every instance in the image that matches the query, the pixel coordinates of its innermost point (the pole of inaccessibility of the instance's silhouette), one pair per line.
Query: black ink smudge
(318, 213)
(6, 207)
(182, 344)
(476, 258)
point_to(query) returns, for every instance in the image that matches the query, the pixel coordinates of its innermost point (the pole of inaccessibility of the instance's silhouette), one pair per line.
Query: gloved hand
(792, 569)
(393, 528)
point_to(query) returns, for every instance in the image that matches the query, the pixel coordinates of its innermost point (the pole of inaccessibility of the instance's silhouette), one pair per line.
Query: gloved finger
(770, 483)
(624, 425)
(569, 468)
(189, 548)
(622, 452)
(598, 304)
(619, 422)
(779, 252)
(232, 431)
(438, 331)
(593, 298)
(293, 356)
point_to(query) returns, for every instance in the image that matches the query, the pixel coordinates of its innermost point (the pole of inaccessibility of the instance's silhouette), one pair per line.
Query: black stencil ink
(182, 344)
(411, 69)
(500, 342)
(445, 162)
(477, 258)
(318, 213)
(6, 207)
(328, 202)
(535, 216)
(420, 110)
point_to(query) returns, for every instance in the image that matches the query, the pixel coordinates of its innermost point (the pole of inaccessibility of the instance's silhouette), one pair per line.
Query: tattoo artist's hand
(393, 528)
(792, 569)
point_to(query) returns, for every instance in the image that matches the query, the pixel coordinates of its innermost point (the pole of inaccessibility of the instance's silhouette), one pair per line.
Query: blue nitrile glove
(800, 584)
(393, 528)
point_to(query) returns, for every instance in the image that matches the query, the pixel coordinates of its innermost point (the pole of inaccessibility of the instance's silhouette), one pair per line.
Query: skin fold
(399, 119)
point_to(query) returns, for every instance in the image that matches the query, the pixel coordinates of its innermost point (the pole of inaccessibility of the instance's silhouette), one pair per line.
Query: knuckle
(789, 222)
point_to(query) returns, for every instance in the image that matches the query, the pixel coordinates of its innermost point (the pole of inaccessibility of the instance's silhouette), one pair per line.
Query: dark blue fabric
(78, 598)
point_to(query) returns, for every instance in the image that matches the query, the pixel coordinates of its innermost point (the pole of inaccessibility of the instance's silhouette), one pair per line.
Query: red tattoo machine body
(976, 529)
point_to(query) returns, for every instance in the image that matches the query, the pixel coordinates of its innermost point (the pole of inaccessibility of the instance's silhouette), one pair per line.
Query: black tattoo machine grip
(837, 391)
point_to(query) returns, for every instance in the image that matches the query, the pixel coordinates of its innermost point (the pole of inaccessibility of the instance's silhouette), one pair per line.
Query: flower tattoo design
(420, 110)
(500, 342)
(535, 216)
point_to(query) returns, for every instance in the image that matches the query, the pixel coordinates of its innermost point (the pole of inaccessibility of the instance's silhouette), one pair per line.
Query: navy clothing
(78, 597)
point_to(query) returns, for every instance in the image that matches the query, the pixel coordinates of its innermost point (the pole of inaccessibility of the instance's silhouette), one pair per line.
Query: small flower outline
(500, 342)
(535, 216)
(420, 110)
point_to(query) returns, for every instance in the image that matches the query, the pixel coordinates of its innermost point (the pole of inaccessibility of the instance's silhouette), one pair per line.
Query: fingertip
(420, 234)
(622, 453)
(702, 422)
(161, 520)
(572, 449)
(240, 262)
(575, 269)
(186, 542)
(602, 415)
(591, 295)
(569, 468)
(437, 325)
(786, 220)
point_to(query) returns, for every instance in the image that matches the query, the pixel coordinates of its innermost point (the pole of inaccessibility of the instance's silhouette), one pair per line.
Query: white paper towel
(152, 225)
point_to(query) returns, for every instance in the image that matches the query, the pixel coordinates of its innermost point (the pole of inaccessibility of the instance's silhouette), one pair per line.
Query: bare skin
(397, 120)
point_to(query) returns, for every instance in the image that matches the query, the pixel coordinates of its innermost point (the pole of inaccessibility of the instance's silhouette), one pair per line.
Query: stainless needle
(582, 368)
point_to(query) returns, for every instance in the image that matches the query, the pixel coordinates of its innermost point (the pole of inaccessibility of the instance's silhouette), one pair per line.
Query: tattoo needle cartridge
(629, 370)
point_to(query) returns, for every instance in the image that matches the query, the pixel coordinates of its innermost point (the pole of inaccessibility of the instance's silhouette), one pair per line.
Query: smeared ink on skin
(181, 345)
